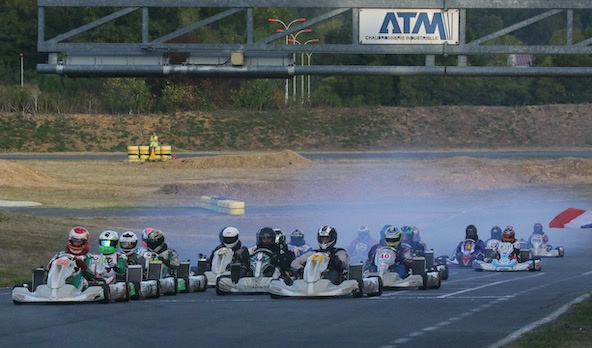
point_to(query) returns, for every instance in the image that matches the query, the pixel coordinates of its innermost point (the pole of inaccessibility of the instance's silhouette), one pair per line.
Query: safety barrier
(142, 153)
(223, 205)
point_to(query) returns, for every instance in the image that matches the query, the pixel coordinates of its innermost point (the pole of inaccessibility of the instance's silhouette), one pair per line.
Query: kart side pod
(188, 282)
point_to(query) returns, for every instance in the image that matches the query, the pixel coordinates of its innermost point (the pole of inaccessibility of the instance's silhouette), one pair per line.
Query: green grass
(573, 329)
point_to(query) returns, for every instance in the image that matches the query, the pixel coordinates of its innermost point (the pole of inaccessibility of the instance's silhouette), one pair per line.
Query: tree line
(58, 94)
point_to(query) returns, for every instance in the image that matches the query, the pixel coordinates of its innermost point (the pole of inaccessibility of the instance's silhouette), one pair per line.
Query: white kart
(56, 290)
(220, 265)
(262, 272)
(541, 249)
(507, 264)
(312, 283)
(420, 277)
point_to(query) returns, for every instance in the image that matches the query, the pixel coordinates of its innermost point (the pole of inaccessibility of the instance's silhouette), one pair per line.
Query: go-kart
(255, 280)
(541, 249)
(312, 283)
(57, 290)
(505, 263)
(220, 265)
(466, 256)
(420, 276)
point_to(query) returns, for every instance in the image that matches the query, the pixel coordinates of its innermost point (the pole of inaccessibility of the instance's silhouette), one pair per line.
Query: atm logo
(406, 26)
(413, 23)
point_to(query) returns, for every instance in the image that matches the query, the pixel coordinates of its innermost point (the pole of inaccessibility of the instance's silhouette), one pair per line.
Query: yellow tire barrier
(142, 153)
(144, 150)
(223, 205)
(133, 150)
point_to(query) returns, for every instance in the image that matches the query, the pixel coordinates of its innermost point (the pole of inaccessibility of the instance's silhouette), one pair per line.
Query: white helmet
(128, 242)
(78, 240)
(229, 236)
(327, 237)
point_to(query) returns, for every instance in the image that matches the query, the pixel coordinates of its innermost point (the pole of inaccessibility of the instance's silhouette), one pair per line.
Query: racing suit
(299, 249)
(478, 253)
(169, 258)
(352, 245)
(545, 241)
(115, 267)
(281, 257)
(338, 263)
(403, 261)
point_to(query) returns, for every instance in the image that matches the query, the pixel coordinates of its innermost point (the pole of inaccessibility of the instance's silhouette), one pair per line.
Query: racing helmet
(407, 233)
(327, 237)
(108, 242)
(265, 237)
(382, 232)
(393, 237)
(280, 238)
(471, 233)
(297, 237)
(78, 240)
(496, 233)
(145, 235)
(128, 242)
(509, 235)
(229, 236)
(155, 240)
(538, 228)
(363, 233)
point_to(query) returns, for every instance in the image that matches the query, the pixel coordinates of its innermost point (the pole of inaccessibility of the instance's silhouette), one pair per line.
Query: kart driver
(538, 230)
(116, 262)
(404, 259)
(229, 238)
(129, 245)
(160, 250)
(509, 236)
(297, 243)
(266, 239)
(471, 233)
(363, 237)
(411, 237)
(78, 246)
(338, 257)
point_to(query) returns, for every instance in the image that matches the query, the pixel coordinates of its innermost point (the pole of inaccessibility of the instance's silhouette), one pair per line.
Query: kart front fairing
(262, 270)
(506, 263)
(57, 290)
(222, 258)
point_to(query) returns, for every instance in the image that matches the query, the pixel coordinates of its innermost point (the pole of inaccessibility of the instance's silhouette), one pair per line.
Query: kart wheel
(424, 277)
(444, 273)
(137, 294)
(105, 293)
(439, 283)
(205, 285)
(561, 251)
(157, 289)
(360, 291)
(218, 291)
(380, 287)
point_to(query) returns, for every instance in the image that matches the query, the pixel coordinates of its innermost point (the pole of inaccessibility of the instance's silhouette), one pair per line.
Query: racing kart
(505, 263)
(257, 278)
(57, 290)
(465, 258)
(220, 265)
(541, 249)
(420, 277)
(312, 283)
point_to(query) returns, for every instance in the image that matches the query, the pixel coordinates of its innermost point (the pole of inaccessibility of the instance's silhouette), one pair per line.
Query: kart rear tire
(218, 291)
(424, 277)
(444, 273)
(380, 287)
(360, 291)
(561, 251)
(105, 293)
(439, 284)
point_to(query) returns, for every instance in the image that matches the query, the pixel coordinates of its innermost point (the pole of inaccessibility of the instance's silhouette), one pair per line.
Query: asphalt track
(470, 309)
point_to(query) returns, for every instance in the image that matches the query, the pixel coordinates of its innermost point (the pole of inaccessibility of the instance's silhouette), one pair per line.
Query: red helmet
(78, 240)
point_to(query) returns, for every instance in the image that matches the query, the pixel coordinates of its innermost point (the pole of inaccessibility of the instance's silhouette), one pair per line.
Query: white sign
(409, 26)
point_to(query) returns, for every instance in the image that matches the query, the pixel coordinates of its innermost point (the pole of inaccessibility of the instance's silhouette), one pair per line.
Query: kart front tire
(218, 291)
(380, 287)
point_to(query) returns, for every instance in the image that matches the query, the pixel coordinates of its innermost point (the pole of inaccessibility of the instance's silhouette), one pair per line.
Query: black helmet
(471, 233)
(496, 233)
(509, 235)
(265, 237)
(538, 228)
(327, 237)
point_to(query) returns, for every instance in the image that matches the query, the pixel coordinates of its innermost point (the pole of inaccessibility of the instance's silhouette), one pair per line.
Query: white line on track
(487, 285)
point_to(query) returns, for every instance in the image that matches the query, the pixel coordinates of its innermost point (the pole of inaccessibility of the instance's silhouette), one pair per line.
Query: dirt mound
(16, 174)
(281, 159)
(565, 170)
